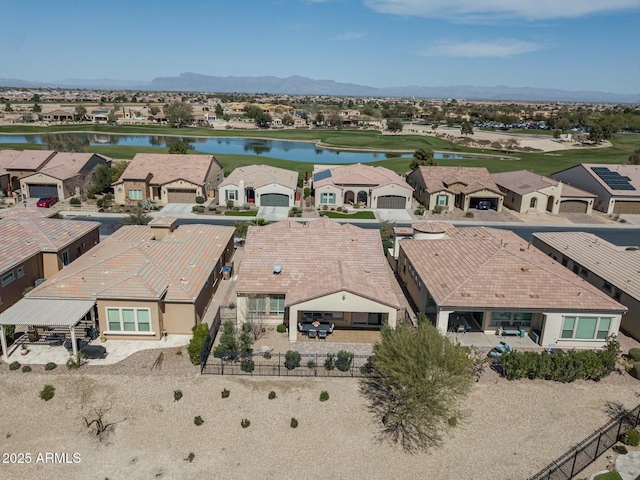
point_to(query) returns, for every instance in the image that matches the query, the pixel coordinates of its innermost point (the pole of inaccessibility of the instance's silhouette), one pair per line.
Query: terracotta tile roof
(67, 165)
(321, 256)
(615, 265)
(491, 268)
(30, 160)
(165, 168)
(30, 212)
(571, 191)
(468, 179)
(357, 174)
(523, 181)
(256, 176)
(6, 157)
(24, 237)
(129, 265)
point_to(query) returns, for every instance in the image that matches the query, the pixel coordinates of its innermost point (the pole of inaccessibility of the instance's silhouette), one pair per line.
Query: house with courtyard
(360, 185)
(614, 270)
(446, 188)
(617, 187)
(528, 192)
(262, 185)
(492, 281)
(323, 271)
(167, 178)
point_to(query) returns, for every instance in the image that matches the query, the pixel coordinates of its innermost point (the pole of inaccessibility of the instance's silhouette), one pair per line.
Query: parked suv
(484, 205)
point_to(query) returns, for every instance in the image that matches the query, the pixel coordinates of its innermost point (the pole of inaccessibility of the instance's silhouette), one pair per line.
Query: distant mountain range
(296, 85)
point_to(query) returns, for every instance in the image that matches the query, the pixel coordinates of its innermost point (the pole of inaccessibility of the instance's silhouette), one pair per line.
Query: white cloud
(488, 10)
(349, 36)
(500, 48)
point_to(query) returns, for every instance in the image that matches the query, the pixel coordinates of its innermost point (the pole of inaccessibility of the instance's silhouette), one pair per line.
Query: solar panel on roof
(614, 180)
(321, 175)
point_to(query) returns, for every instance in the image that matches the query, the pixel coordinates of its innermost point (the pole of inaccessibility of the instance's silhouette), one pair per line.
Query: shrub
(75, 201)
(225, 393)
(244, 423)
(324, 396)
(329, 363)
(367, 368)
(634, 353)
(50, 366)
(190, 457)
(325, 207)
(469, 214)
(621, 449)
(26, 369)
(198, 420)
(14, 365)
(281, 328)
(419, 210)
(199, 199)
(272, 395)
(307, 192)
(437, 210)
(247, 365)
(267, 355)
(631, 438)
(292, 359)
(344, 360)
(197, 209)
(294, 423)
(200, 334)
(74, 363)
(212, 207)
(311, 364)
(230, 204)
(47, 392)
(635, 370)
(177, 395)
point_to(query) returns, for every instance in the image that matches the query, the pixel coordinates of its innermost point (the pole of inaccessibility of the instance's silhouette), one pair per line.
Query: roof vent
(525, 269)
(277, 269)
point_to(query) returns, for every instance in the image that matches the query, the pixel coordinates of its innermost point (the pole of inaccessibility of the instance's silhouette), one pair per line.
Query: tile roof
(257, 176)
(67, 165)
(523, 181)
(23, 237)
(6, 157)
(359, 174)
(431, 227)
(30, 160)
(130, 265)
(571, 191)
(481, 267)
(470, 179)
(318, 258)
(166, 168)
(30, 212)
(617, 266)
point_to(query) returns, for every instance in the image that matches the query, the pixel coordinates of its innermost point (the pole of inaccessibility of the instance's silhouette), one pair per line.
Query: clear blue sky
(568, 44)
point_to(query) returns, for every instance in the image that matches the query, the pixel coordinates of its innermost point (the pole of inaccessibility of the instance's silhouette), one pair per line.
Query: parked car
(484, 205)
(47, 202)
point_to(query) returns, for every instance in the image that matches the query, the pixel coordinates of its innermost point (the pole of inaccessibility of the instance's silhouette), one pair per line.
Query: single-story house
(6, 157)
(494, 279)
(261, 185)
(33, 247)
(293, 273)
(167, 178)
(63, 176)
(17, 165)
(612, 269)
(142, 281)
(367, 186)
(528, 192)
(617, 187)
(451, 187)
(58, 115)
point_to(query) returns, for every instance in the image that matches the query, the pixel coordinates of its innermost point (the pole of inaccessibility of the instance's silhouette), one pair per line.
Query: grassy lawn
(249, 213)
(608, 476)
(360, 215)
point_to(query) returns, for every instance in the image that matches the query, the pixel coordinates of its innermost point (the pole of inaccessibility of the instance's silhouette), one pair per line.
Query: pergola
(45, 312)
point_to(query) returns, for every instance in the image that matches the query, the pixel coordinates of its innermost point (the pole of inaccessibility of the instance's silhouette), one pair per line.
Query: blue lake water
(295, 151)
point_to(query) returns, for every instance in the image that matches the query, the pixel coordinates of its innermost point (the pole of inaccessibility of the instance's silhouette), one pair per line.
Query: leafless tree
(95, 417)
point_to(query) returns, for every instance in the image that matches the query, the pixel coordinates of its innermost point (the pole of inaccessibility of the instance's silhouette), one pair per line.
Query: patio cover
(46, 312)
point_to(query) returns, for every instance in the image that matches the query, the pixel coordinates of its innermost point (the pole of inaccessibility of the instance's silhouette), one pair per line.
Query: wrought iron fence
(205, 351)
(587, 451)
(277, 364)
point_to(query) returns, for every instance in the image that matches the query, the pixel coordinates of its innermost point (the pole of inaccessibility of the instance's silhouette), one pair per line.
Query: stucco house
(292, 273)
(19, 164)
(613, 270)
(370, 187)
(261, 185)
(454, 187)
(528, 192)
(482, 279)
(167, 178)
(617, 187)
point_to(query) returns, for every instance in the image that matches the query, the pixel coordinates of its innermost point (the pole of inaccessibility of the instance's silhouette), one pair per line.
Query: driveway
(176, 208)
(274, 214)
(394, 215)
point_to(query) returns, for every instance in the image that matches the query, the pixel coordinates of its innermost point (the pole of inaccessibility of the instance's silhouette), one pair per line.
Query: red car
(47, 202)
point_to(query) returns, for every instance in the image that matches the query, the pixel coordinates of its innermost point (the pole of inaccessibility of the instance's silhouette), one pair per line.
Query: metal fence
(205, 351)
(310, 365)
(587, 451)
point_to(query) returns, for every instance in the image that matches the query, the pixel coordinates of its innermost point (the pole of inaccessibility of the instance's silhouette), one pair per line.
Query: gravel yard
(513, 428)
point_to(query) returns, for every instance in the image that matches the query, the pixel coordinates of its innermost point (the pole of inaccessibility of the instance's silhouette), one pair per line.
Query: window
(129, 319)
(533, 203)
(231, 194)
(20, 272)
(443, 200)
(7, 278)
(257, 305)
(327, 198)
(607, 286)
(276, 306)
(516, 319)
(135, 194)
(586, 328)
(65, 258)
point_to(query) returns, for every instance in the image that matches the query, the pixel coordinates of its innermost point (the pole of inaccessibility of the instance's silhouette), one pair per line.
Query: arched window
(533, 203)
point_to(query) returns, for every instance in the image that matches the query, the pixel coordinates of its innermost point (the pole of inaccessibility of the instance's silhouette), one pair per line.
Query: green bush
(26, 369)
(199, 199)
(437, 210)
(247, 365)
(190, 457)
(200, 334)
(281, 328)
(307, 192)
(47, 392)
(634, 353)
(244, 423)
(272, 395)
(9, 331)
(635, 370)
(631, 438)
(50, 366)
(225, 393)
(292, 359)
(294, 423)
(329, 362)
(620, 449)
(344, 360)
(75, 201)
(14, 365)
(177, 395)
(198, 420)
(212, 207)
(197, 209)
(74, 363)
(311, 364)
(267, 355)
(469, 214)
(324, 396)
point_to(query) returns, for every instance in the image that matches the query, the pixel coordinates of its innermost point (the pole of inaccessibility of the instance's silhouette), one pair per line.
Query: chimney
(162, 226)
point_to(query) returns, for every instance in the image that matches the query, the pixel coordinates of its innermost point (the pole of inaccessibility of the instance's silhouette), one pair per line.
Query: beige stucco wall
(332, 189)
(418, 296)
(482, 194)
(41, 179)
(391, 189)
(552, 330)
(276, 188)
(179, 318)
(12, 292)
(164, 195)
(521, 203)
(432, 201)
(156, 319)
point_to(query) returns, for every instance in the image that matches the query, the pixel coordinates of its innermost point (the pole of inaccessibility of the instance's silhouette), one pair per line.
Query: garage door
(181, 195)
(43, 191)
(627, 207)
(392, 201)
(573, 206)
(274, 200)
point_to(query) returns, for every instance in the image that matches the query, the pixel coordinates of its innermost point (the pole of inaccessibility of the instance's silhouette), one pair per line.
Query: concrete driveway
(394, 215)
(176, 208)
(274, 214)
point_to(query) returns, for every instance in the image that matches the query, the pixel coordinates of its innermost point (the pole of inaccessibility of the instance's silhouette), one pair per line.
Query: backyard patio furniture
(313, 333)
(94, 351)
(322, 334)
(498, 350)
